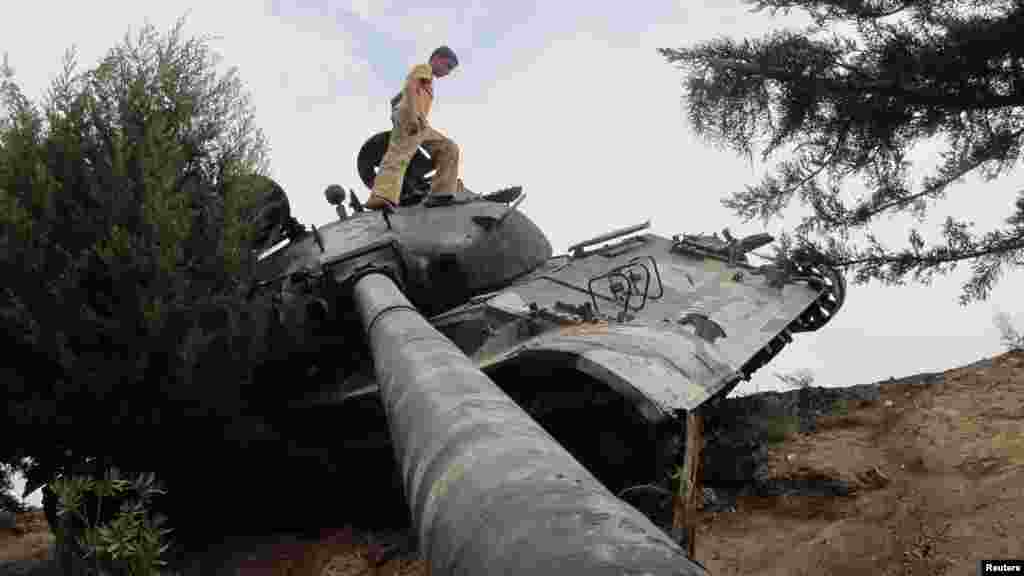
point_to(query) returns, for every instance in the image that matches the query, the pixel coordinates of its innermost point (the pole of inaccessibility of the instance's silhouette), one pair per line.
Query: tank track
(812, 268)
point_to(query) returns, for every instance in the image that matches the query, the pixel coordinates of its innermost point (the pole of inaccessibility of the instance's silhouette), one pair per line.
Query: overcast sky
(573, 103)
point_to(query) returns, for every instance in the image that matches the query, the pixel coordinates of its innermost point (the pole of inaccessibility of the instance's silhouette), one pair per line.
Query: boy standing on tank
(410, 110)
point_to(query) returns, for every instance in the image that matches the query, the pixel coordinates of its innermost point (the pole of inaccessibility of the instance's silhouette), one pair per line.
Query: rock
(806, 485)
(717, 501)
(8, 521)
(735, 454)
(980, 364)
(873, 478)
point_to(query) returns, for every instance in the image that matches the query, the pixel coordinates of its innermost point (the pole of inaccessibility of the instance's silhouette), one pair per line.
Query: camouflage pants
(405, 139)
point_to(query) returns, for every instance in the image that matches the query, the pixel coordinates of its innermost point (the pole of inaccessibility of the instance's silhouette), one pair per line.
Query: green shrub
(131, 543)
(125, 237)
(778, 428)
(841, 407)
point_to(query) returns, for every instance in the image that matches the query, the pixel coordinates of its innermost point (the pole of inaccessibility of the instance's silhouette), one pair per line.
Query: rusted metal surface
(663, 369)
(490, 491)
(705, 325)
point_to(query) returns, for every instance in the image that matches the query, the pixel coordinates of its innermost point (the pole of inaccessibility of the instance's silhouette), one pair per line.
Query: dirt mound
(937, 483)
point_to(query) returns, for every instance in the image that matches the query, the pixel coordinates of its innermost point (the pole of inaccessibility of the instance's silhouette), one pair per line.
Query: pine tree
(854, 105)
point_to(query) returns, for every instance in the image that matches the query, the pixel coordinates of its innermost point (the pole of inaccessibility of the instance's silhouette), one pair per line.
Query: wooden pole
(684, 509)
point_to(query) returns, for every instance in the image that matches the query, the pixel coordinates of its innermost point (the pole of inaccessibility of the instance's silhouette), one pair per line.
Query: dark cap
(446, 52)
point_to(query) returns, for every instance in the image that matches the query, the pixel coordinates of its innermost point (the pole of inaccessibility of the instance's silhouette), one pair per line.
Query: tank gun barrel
(490, 491)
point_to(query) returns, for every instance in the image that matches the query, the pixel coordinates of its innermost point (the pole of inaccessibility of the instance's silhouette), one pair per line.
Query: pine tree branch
(832, 10)
(951, 69)
(910, 94)
(822, 165)
(1009, 245)
(863, 216)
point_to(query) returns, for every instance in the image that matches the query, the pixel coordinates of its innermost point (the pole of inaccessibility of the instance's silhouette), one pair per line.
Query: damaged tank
(606, 347)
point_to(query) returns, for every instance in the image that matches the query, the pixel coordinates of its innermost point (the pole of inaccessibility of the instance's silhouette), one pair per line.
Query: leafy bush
(127, 201)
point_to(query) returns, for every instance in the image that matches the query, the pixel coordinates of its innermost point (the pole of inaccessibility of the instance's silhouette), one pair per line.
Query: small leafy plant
(841, 407)
(131, 543)
(778, 428)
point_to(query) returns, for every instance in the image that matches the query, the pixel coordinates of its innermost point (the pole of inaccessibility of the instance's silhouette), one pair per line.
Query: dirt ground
(939, 470)
(30, 540)
(940, 476)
